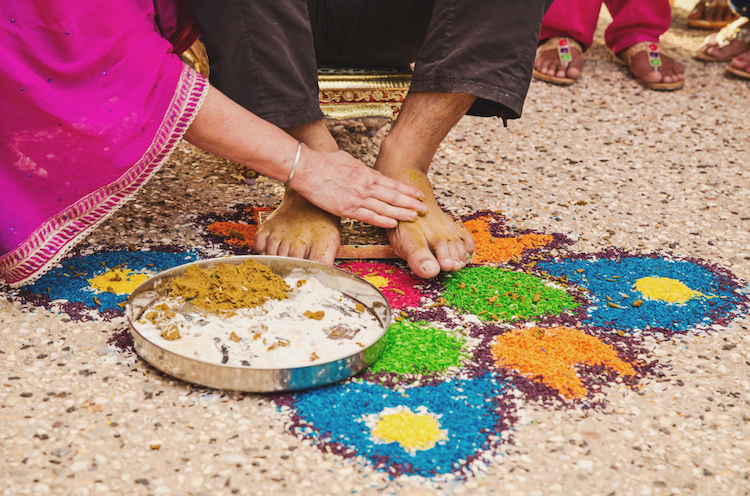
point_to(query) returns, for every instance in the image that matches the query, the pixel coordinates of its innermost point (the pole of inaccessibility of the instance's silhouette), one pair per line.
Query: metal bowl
(256, 379)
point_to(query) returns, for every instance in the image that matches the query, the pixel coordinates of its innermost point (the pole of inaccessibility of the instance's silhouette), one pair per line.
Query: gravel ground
(655, 170)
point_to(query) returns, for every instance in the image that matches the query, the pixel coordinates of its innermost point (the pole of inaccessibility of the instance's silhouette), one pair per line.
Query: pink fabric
(633, 21)
(93, 100)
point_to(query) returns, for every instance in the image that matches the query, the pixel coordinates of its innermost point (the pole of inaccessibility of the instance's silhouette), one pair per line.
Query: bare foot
(299, 229)
(548, 62)
(742, 62)
(713, 10)
(719, 47)
(670, 71)
(432, 242)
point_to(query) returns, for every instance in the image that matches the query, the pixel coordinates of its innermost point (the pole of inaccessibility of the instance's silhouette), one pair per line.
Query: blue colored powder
(76, 288)
(465, 407)
(651, 314)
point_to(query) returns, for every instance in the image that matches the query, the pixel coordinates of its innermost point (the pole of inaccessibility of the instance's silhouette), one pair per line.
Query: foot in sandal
(740, 65)
(653, 69)
(559, 60)
(727, 44)
(711, 14)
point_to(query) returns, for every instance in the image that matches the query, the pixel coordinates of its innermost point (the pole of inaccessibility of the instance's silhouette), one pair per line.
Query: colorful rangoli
(528, 320)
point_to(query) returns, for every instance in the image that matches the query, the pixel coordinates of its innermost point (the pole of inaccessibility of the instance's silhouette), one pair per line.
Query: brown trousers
(264, 54)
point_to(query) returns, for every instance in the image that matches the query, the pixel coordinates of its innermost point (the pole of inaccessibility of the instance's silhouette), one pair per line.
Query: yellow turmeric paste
(228, 287)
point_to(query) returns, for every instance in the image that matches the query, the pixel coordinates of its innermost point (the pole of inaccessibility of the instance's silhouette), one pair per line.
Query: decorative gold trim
(363, 81)
(363, 96)
(357, 110)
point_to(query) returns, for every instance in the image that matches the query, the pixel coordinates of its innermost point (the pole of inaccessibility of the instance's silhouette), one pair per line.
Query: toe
(538, 62)
(561, 71)
(548, 67)
(298, 250)
(272, 248)
(423, 263)
(283, 249)
(573, 72)
(445, 256)
(324, 252)
(261, 242)
(469, 245)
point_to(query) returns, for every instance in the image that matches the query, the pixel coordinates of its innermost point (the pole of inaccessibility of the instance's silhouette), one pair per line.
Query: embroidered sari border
(58, 235)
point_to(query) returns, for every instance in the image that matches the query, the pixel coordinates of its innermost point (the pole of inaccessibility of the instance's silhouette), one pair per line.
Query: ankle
(315, 135)
(400, 157)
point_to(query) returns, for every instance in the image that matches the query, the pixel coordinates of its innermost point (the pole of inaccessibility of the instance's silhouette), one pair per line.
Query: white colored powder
(273, 335)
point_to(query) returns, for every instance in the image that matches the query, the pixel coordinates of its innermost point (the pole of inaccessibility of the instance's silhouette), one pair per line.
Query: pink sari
(93, 100)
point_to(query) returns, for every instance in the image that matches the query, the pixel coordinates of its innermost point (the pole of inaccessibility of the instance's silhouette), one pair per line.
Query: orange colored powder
(551, 355)
(235, 234)
(491, 249)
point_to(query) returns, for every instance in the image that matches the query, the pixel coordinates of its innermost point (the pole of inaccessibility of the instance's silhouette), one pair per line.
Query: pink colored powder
(389, 278)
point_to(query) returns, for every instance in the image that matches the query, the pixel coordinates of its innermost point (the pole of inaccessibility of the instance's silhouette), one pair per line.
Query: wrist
(295, 165)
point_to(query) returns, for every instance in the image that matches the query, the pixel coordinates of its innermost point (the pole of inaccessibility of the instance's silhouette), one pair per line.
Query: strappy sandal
(654, 58)
(723, 38)
(701, 23)
(743, 73)
(564, 47)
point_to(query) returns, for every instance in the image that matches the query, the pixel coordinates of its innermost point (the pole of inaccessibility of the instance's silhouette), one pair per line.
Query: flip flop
(743, 73)
(702, 22)
(654, 59)
(706, 24)
(563, 46)
(721, 39)
(738, 72)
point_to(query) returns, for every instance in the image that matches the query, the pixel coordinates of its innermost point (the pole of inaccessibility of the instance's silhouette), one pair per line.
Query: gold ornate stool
(355, 93)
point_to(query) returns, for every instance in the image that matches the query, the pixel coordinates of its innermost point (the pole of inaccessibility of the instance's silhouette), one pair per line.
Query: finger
(397, 199)
(386, 210)
(370, 217)
(391, 183)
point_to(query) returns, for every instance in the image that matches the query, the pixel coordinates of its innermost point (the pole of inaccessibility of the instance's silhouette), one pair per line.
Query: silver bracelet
(294, 165)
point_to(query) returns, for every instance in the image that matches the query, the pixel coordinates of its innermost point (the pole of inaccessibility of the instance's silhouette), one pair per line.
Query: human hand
(344, 186)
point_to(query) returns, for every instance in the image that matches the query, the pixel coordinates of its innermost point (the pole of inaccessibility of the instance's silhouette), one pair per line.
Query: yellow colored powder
(666, 289)
(228, 287)
(410, 430)
(118, 281)
(171, 332)
(314, 315)
(379, 282)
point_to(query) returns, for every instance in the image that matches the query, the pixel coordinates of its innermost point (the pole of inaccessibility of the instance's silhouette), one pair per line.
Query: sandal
(654, 57)
(723, 38)
(743, 73)
(702, 8)
(563, 46)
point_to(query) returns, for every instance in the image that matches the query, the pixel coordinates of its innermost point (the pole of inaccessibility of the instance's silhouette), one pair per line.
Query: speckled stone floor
(604, 162)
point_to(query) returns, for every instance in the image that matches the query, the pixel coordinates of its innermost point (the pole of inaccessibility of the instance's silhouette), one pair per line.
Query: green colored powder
(495, 294)
(416, 348)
